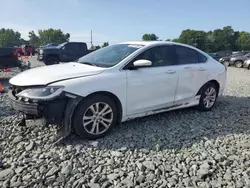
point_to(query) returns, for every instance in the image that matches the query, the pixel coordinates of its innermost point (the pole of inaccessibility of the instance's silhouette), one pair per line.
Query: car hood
(48, 74)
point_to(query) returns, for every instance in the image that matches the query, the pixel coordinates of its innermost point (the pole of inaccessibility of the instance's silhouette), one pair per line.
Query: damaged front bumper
(58, 111)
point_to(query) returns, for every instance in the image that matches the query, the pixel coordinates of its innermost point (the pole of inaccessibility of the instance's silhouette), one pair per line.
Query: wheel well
(211, 81)
(115, 99)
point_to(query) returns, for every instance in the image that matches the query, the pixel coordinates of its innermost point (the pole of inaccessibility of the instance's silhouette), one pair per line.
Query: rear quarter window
(202, 58)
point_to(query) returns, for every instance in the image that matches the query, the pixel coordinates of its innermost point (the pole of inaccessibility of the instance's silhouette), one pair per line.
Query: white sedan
(118, 83)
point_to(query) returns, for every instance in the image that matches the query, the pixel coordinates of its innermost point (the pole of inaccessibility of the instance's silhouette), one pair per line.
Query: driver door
(152, 88)
(69, 52)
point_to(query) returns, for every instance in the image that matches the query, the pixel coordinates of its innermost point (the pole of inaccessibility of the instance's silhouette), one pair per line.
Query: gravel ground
(184, 148)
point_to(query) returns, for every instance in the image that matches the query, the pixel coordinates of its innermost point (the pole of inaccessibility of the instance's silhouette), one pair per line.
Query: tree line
(211, 41)
(9, 37)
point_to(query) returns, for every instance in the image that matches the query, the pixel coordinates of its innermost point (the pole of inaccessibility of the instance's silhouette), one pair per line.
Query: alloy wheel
(238, 64)
(97, 118)
(210, 97)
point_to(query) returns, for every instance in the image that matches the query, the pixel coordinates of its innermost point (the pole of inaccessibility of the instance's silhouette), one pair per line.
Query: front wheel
(95, 117)
(208, 94)
(51, 60)
(226, 63)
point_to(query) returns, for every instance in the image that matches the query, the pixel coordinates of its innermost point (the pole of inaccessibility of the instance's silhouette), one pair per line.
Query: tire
(51, 60)
(238, 64)
(226, 63)
(84, 110)
(204, 93)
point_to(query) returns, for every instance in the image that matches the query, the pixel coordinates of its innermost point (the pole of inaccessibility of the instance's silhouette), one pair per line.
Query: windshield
(109, 56)
(61, 45)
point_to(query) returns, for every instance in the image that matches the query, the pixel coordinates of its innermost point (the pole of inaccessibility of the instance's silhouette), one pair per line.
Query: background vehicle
(8, 58)
(50, 45)
(119, 83)
(247, 64)
(65, 52)
(238, 60)
(215, 56)
(226, 59)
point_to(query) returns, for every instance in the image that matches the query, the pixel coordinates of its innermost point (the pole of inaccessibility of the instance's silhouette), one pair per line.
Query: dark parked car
(8, 58)
(226, 59)
(238, 61)
(65, 52)
(215, 56)
(51, 45)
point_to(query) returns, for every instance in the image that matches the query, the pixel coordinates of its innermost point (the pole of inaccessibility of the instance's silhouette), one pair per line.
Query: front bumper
(246, 64)
(51, 111)
(40, 57)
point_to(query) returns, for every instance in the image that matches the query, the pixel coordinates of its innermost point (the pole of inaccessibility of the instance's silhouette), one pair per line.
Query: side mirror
(142, 63)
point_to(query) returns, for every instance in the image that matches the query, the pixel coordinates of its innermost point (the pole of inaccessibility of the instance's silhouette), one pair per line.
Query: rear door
(193, 73)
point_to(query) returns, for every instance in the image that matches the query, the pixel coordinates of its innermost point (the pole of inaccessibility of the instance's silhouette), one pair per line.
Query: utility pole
(91, 40)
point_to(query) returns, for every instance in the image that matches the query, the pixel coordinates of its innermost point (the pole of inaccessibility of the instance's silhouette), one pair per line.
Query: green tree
(9, 36)
(195, 38)
(223, 39)
(97, 47)
(105, 44)
(243, 41)
(52, 36)
(148, 37)
(34, 39)
(176, 40)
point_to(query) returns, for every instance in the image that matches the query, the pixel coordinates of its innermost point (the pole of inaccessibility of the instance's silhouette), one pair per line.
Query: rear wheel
(238, 64)
(95, 117)
(208, 94)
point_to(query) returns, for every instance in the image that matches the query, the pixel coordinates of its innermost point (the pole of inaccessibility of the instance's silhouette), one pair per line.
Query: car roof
(149, 43)
(152, 43)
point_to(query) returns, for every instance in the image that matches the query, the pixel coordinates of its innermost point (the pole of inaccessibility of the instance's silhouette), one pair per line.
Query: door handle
(201, 69)
(187, 67)
(170, 72)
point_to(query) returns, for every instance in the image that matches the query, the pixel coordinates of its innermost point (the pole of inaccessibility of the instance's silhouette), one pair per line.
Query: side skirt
(193, 102)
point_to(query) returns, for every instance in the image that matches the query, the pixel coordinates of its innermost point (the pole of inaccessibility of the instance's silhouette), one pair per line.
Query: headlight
(221, 59)
(45, 93)
(40, 51)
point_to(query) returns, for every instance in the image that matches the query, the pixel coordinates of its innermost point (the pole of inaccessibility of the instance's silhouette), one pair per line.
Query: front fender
(107, 82)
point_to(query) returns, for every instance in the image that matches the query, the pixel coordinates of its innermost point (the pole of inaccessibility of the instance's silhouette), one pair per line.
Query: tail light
(15, 53)
(6, 70)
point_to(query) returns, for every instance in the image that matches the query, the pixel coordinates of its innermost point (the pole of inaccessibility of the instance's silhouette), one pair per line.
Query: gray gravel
(184, 148)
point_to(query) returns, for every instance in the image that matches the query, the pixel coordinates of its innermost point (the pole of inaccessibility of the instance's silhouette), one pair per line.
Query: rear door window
(186, 55)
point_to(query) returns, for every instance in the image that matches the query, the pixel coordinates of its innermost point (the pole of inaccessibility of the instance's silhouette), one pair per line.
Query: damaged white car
(118, 83)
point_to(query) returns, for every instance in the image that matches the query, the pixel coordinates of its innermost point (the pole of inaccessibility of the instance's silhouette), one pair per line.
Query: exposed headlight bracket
(41, 93)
